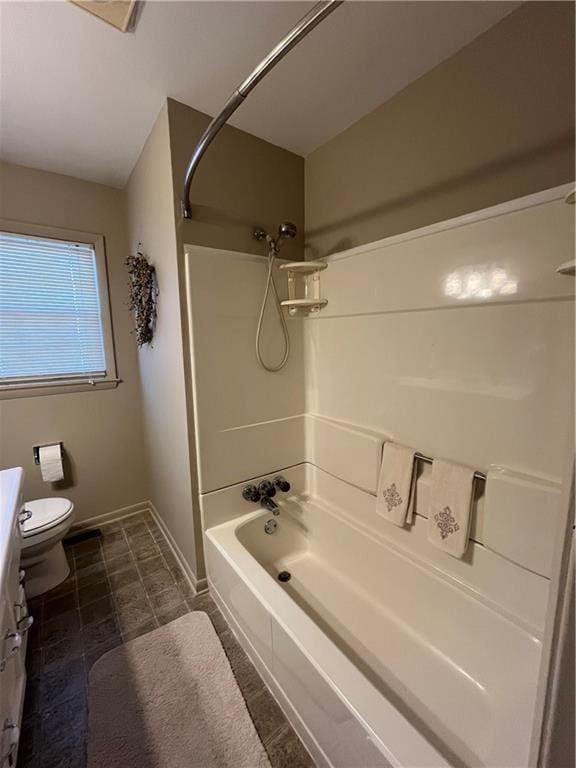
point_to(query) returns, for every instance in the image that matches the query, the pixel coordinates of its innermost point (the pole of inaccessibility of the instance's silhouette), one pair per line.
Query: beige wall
(150, 220)
(234, 193)
(492, 123)
(101, 429)
(242, 182)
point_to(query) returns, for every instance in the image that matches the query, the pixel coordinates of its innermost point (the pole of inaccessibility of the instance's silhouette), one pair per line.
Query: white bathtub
(378, 659)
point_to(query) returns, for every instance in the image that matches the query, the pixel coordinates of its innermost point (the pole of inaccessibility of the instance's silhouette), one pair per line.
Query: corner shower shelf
(311, 304)
(304, 266)
(304, 275)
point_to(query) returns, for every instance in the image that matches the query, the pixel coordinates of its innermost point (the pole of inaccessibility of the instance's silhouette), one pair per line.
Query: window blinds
(50, 319)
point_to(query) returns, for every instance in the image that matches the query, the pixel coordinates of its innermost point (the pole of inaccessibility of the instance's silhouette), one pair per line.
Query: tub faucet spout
(270, 505)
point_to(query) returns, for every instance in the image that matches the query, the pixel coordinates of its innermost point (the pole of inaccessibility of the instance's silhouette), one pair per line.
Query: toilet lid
(45, 514)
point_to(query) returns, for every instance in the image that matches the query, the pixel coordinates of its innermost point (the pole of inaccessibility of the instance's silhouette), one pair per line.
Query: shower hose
(270, 284)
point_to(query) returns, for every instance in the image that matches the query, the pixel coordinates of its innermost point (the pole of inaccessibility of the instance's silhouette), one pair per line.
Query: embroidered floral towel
(450, 504)
(396, 484)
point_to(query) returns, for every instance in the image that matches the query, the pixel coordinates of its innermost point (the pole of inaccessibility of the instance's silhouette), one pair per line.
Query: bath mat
(169, 699)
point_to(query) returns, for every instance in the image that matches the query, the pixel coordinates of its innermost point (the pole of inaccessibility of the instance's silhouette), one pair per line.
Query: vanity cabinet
(14, 618)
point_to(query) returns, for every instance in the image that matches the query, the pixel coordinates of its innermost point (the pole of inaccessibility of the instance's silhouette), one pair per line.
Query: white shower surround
(478, 379)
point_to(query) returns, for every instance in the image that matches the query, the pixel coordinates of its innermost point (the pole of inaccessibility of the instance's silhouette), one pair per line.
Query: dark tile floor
(121, 585)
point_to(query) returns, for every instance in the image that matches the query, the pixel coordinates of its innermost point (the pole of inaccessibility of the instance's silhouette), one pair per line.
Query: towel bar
(429, 460)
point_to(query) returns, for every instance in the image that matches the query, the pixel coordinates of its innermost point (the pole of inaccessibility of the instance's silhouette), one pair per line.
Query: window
(54, 318)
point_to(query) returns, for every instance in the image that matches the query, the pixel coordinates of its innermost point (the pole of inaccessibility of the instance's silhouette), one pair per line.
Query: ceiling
(79, 97)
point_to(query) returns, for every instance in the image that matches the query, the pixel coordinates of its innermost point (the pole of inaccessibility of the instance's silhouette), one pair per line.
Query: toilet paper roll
(51, 463)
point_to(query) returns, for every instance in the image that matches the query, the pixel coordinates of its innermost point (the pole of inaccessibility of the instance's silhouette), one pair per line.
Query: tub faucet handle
(250, 493)
(282, 484)
(267, 488)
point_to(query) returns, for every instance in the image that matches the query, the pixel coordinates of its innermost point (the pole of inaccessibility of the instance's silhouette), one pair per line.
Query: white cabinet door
(12, 682)
(13, 633)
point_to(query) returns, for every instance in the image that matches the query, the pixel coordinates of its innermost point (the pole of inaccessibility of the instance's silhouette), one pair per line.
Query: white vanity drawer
(12, 572)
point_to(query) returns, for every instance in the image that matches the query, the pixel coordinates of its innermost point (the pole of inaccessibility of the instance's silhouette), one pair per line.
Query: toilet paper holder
(36, 450)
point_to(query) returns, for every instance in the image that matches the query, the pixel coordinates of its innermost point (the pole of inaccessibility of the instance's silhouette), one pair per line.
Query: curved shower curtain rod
(306, 24)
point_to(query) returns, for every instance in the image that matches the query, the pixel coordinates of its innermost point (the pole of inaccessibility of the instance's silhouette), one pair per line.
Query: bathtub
(376, 659)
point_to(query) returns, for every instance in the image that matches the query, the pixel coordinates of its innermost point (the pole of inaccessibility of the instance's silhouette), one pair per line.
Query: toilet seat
(46, 513)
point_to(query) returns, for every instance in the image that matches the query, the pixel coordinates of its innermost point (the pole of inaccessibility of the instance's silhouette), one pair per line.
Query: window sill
(8, 392)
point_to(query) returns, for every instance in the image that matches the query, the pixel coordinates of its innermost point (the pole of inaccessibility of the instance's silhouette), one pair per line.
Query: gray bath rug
(169, 699)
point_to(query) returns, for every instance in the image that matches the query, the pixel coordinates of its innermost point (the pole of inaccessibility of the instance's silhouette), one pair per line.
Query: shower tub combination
(377, 659)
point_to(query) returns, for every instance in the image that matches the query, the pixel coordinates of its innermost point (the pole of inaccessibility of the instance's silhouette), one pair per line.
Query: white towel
(450, 506)
(395, 499)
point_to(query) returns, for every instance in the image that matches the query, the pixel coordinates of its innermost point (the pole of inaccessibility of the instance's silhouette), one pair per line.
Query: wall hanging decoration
(143, 296)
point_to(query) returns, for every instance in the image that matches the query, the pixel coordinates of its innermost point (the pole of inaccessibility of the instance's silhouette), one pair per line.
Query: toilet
(43, 525)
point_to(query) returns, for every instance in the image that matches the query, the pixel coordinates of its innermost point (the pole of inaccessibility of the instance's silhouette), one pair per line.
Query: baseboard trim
(198, 585)
(109, 517)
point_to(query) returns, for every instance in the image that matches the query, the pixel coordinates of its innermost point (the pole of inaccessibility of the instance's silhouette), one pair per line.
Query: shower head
(287, 229)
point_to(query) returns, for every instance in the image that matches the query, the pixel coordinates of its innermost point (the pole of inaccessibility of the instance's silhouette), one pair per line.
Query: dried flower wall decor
(143, 296)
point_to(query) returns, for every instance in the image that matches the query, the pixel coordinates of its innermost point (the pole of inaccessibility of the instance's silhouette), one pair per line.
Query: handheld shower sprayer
(286, 231)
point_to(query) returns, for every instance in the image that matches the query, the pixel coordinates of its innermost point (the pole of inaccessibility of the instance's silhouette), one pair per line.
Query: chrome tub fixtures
(264, 492)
